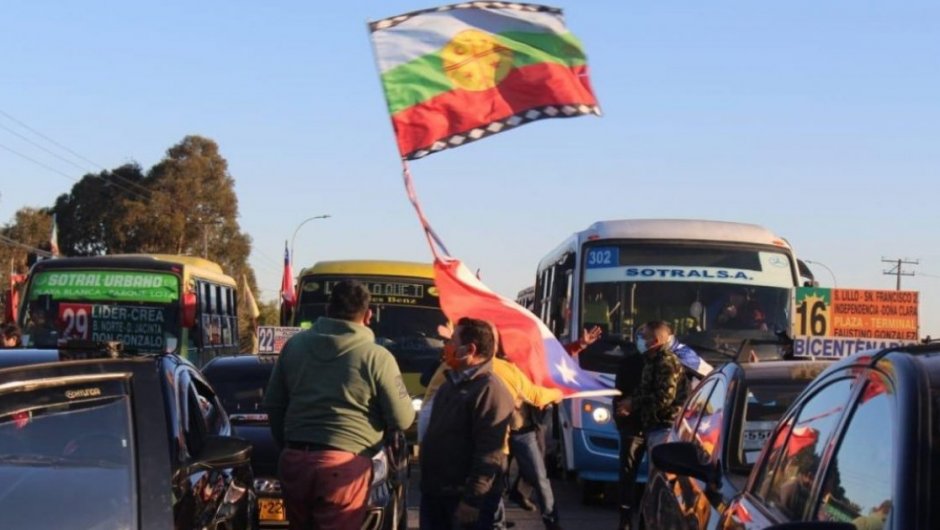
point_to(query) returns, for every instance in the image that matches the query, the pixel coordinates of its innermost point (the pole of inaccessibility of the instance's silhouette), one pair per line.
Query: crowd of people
(333, 393)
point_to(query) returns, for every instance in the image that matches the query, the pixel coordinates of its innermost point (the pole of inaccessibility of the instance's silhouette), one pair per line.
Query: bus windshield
(138, 308)
(406, 315)
(713, 297)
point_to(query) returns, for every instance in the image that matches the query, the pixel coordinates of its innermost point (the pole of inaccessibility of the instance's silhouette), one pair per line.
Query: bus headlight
(416, 404)
(601, 415)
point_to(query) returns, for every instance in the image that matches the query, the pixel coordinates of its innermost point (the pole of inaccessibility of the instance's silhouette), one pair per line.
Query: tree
(270, 313)
(193, 209)
(31, 227)
(94, 213)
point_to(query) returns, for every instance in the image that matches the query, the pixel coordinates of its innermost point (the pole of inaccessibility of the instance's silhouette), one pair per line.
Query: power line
(62, 173)
(38, 163)
(898, 268)
(44, 148)
(114, 177)
(50, 140)
(14, 243)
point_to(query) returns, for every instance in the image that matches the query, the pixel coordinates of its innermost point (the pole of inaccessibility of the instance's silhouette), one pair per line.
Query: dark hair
(349, 300)
(479, 333)
(654, 327)
(12, 330)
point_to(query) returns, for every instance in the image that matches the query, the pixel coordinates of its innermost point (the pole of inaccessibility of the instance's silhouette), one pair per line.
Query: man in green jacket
(332, 395)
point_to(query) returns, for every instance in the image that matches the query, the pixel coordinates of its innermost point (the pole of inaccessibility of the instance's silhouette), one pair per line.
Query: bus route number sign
(272, 338)
(603, 257)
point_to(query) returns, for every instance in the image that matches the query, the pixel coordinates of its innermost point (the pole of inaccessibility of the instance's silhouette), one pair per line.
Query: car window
(195, 426)
(212, 411)
(765, 403)
(797, 449)
(708, 431)
(241, 391)
(857, 487)
(688, 420)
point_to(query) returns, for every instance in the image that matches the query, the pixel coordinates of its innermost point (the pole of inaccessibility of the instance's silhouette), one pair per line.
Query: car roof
(927, 356)
(241, 363)
(788, 370)
(17, 358)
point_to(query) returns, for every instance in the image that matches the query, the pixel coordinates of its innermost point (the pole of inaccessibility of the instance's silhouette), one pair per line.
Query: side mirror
(813, 525)
(220, 452)
(685, 458)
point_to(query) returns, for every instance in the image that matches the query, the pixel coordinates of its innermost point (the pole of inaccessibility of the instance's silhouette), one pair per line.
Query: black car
(859, 448)
(241, 381)
(91, 438)
(724, 424)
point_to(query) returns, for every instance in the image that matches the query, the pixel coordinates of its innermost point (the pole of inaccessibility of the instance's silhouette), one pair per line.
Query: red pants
(325, 490)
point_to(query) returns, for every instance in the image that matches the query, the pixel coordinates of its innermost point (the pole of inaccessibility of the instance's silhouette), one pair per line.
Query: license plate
(271, 510)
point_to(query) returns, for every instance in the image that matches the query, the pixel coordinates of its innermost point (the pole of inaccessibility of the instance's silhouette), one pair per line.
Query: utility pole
(898, 268)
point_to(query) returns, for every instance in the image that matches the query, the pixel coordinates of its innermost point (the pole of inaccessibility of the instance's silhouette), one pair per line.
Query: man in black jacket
(462, 452)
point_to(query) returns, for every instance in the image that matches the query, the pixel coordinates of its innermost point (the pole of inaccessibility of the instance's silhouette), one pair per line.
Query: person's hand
(467, 514)
(558, 397)
(590, 336)
(445, 331)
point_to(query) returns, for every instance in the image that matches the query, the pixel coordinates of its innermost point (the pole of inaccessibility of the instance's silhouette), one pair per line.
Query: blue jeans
(525, 449)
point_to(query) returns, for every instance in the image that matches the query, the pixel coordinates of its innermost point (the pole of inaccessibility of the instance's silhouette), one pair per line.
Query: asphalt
(574, 514)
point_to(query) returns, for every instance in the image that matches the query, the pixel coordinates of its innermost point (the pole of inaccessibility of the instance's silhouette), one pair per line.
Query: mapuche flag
(458, 73)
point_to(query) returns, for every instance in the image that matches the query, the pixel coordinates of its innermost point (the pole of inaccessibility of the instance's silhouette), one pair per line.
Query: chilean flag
(528, 343)
(287, 281)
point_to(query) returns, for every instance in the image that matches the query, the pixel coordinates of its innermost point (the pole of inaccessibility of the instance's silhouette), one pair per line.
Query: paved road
(568, 496)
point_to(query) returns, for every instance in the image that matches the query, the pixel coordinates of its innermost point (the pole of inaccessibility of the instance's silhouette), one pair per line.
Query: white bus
(717, 284)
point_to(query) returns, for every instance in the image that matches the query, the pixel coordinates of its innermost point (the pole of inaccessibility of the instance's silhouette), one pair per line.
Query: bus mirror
(189, 309)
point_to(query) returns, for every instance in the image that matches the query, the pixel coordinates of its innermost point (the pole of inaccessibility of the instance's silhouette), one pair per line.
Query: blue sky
(817, 120)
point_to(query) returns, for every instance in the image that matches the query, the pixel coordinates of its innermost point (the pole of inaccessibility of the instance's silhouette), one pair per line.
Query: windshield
(139, 308)
(241, 390)
(406, 315)
(713, 297)
(76, 456)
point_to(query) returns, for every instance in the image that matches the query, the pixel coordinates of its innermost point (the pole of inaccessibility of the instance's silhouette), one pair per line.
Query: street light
(823, 265)
(305, 221)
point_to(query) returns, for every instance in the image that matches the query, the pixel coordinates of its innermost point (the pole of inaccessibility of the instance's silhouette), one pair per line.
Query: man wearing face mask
(462, 452)
(663, 386)
(331, 396)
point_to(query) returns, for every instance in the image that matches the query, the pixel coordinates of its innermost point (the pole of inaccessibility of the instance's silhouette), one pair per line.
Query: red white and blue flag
(287, 281)
(527, 342)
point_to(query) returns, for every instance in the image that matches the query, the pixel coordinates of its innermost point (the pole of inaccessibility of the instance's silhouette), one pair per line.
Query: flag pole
(434, 241)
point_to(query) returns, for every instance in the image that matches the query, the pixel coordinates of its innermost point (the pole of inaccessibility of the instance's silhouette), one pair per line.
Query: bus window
(223, 300)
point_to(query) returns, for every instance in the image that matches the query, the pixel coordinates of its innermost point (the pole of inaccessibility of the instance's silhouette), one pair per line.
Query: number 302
(600, 256)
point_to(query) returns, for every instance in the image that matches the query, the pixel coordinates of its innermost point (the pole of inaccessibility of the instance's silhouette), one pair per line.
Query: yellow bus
(149, 302)
(405, 305)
